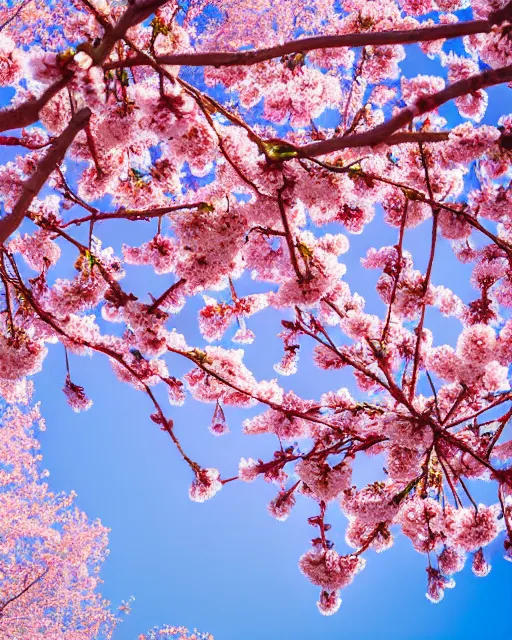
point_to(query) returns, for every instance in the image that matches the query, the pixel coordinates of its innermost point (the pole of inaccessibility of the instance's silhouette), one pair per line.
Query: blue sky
(226, 566)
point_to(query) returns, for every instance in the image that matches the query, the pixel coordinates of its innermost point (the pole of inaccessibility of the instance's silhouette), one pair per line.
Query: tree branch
(23, 591)
(383, 133)
(28, 112)
(158, 301)
(426, 281)
(34, 184)
(129, 214)
(136, 13)
(100, 348)
(247, 58)
(12, 141)
(16, 13)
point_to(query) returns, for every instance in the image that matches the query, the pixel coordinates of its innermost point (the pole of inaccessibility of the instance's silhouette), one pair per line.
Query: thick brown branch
(418, 136)
(136, 13)
(246, 58)
(34, 184)
(28, 112)
(383, 134)
(12, 141)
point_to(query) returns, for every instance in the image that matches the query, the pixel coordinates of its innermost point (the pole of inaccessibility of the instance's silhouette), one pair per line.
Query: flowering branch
(23, 591)
(375, 39)
(382, 133)
(46, 166)
(28, 112)
(137, 12)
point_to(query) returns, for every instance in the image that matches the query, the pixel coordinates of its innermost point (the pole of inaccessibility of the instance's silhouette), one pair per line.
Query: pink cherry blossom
(437, 583)
(329, 570)
(205, 485)
(324, 482)
(248, 470)
(481, 567)
(76, 397)
(281, 505)
(219, 425)
(451, 561)
(476, 530)
(329, 603)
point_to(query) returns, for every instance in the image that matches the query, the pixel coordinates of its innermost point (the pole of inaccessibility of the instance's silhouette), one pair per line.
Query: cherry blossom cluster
(174, 633)
(247, 184)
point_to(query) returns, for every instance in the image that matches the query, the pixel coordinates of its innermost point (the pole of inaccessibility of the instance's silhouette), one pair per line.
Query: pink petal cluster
(205, 485)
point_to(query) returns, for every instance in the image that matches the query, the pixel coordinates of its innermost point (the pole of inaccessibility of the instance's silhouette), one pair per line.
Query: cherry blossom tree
(235, 169)
(50, 552)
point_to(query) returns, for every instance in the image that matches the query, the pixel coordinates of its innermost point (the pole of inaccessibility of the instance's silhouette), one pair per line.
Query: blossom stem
(426, 282)
(128, 214)
(503, 423)
(288, 233)
(399, 253)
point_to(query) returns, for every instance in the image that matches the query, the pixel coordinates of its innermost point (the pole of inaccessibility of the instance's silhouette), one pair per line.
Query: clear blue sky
(226, 566)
